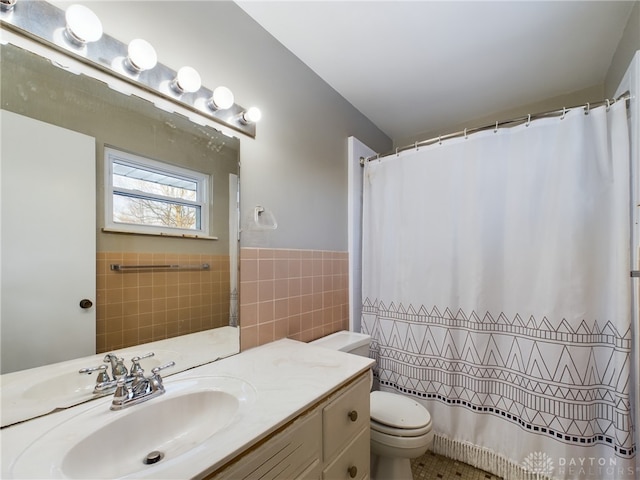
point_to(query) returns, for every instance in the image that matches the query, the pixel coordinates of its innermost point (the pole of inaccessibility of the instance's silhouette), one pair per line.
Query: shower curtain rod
(495, 126)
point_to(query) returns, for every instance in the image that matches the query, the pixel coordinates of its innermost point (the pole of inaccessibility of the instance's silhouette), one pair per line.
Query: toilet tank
(344, 341)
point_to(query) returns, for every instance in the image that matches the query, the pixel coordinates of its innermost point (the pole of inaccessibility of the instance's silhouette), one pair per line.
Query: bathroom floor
(431, 466)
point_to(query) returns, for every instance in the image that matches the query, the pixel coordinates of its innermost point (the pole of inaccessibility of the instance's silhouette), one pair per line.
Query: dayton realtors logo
(538, 462)
(578, 467)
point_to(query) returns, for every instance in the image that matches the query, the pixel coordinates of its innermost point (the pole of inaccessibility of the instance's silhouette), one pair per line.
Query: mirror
(142, 305)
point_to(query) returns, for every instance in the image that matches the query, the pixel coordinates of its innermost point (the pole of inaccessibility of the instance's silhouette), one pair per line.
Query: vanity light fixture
(141, 56)
(187, 81)
(83, 26)
(221, 99)
(252, 115)
(7, 5)
(77, 32)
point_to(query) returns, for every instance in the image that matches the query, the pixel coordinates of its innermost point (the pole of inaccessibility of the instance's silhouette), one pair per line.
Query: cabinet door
(48, 211)
(291, 454)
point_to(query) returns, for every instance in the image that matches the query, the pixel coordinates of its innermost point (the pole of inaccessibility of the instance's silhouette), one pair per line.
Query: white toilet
(400, 426)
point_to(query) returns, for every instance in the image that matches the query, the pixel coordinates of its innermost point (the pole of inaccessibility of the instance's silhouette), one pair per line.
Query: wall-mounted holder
(45, 24)
(263, 219)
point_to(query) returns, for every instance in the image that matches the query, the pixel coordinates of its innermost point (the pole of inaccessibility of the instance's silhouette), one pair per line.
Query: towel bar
(117, 267)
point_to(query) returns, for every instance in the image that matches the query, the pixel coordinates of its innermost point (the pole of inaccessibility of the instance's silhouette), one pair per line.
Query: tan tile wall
(138, 306)
(298, 294)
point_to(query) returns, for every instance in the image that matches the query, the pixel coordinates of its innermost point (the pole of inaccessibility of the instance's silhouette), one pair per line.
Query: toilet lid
(398, 411)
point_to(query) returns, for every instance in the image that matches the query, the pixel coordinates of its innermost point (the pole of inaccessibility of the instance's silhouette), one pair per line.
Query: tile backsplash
(298, 294)
(139, 306)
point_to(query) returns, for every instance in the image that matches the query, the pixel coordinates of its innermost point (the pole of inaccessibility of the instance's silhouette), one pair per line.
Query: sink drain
(153, 457)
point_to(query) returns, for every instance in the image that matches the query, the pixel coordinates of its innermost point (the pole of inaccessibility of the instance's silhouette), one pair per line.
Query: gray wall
(297, 164)
(627, 48)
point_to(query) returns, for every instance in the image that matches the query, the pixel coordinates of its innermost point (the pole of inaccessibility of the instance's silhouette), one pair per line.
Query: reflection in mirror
(130, 306)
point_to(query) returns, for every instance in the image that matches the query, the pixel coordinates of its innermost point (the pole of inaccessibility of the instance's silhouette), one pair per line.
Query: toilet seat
(399, 432)
(394, 414)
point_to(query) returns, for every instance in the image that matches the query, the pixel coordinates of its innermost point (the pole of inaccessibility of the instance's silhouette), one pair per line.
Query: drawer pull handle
(353, 471)
(353, 415)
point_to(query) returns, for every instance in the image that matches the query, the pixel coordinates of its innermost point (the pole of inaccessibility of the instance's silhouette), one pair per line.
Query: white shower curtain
(496, 289)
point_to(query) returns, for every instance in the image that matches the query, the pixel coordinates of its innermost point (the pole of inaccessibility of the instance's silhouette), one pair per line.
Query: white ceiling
(416, 66)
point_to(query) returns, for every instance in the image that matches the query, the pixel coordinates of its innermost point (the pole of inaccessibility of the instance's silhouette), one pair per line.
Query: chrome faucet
(104, 384)
(117, 365)
(141, 388)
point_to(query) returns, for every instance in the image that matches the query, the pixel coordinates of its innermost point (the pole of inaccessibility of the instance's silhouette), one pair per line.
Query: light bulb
(187, 80)
(252, 115)
(221, 99)
(83, 25)
(141, 56)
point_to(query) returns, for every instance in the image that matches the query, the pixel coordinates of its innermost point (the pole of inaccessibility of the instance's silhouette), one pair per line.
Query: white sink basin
(65, 386)
(100, 443)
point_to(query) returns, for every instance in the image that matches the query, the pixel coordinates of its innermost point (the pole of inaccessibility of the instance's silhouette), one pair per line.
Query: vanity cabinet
(330, 441)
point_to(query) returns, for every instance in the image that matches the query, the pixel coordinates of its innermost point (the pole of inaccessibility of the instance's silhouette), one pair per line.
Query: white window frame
(202, 201)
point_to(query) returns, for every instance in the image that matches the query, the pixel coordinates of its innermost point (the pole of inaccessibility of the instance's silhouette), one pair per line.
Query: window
(147, 196)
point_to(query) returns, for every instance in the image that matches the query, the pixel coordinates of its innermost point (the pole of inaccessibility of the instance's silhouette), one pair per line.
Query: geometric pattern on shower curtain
(548, 378)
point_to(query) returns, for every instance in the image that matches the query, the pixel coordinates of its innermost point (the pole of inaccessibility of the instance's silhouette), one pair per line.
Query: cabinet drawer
(345, 416)
(353, 462)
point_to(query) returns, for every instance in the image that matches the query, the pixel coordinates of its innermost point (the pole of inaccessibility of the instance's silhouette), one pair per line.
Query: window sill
(168, 235)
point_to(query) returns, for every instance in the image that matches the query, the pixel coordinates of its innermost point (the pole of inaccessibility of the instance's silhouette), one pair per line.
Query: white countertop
(37, 391)
(288, 377)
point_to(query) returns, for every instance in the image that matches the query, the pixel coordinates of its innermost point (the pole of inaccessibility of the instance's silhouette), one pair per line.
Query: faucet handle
(103, 376)
(121, 394)
(135, 363)
(135, 369)
(162, 367)
(155, 381)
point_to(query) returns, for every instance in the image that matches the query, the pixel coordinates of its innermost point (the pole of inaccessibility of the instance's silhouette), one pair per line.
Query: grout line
(431, 466)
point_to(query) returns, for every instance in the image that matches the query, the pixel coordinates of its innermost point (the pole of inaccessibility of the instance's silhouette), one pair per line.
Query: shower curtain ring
(495, 130)
(465, 134)
(439, 139)
(586, 109)
(528, 120)
(608, 105)
(397, 152)
(564, 112)
(416, 146)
